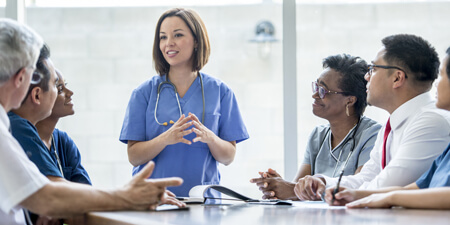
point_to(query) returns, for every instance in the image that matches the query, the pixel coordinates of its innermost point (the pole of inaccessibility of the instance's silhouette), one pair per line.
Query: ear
(35, 95)
(351, 100)
(399, 79)
(19, 78)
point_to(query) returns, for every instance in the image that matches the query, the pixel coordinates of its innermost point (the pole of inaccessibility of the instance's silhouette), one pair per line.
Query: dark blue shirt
(439, 173)
(70, 158)
(28, 137)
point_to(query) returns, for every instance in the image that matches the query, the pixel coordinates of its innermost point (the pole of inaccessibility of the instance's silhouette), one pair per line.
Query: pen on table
(337, 186)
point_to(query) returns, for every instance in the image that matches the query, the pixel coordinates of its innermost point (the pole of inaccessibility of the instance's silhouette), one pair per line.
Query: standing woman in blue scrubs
(194, 123)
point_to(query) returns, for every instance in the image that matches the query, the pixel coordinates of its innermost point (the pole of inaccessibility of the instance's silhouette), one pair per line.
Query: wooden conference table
(314, 213)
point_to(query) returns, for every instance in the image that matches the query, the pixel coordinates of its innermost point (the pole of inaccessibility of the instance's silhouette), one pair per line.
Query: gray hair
(19, 47)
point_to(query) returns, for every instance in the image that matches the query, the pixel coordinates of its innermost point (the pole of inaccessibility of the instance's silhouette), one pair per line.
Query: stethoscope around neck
(160, 87)
(338, 159)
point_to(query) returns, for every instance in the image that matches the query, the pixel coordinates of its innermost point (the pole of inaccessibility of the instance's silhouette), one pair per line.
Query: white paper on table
(315, 205)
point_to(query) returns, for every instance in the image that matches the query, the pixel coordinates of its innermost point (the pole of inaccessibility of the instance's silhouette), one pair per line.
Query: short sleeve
(232, 127)
(425, 180)
(71, 158)
(307, 158)
(34, 148)
(18, 176)
(438, 173)
(307, 155)
(368, 138)
(133, 127)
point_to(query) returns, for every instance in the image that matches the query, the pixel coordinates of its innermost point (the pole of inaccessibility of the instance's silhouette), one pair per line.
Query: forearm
(223, 151)
(305, 169)
(433, 198)
(62, 199)
(141, 152)
(362, 193)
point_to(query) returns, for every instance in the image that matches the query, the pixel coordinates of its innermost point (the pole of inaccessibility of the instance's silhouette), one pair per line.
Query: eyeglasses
(371, 66)
(36, 78)
(322, 91)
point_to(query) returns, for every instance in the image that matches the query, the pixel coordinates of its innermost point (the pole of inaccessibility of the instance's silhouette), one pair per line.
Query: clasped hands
(179, 129)
(312, 188)
(273, 186)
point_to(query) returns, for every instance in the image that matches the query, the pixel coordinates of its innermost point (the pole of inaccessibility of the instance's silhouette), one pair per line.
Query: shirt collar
(409, 108)
(4, 117)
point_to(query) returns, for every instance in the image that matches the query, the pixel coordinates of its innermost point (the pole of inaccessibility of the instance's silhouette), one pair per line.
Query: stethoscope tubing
(340, 153)
(177, 97)
(351, 150)
(58, 161)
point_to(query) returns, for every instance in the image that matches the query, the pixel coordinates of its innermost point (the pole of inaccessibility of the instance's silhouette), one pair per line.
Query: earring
(195, 49)
(346, 110)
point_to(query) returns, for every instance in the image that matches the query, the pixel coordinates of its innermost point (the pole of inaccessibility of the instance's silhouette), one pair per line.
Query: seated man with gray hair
(21, 183)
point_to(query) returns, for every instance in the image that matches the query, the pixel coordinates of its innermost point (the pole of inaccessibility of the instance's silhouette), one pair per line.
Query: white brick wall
(105, 53)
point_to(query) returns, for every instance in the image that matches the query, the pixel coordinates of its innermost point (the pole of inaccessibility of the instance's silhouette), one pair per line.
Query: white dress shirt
(420, 133)
(19, 177)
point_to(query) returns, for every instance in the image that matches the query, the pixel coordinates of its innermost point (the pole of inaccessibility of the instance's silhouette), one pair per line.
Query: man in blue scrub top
(434, 184)
(59, 158)
(36, 106)
(50, 159)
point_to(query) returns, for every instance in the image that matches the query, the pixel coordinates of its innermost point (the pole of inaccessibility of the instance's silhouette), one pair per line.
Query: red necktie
(386, 134)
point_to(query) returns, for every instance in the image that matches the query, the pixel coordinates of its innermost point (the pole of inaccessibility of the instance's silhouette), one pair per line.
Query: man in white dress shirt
(399, 81)
(21, 183)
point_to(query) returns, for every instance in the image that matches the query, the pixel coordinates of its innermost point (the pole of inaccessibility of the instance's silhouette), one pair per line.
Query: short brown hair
(198, 30)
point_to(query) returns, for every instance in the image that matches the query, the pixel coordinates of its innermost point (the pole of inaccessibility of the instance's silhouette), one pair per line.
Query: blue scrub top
(28, 137)
(439, 173)
(70, 158)
(194, 163)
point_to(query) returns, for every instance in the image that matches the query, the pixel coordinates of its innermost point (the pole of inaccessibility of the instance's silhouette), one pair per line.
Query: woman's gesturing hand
(176, 133)
(204, 134)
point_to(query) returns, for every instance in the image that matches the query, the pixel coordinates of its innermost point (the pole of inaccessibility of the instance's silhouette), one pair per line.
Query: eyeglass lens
(370, 70)
(317, 88)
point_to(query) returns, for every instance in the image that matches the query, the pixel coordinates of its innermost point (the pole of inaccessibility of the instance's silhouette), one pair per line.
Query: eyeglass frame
(371, 66)
(316, 89)
(38, 75)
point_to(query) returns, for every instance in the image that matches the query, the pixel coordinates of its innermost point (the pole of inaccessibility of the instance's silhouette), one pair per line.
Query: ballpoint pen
(337, 186)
